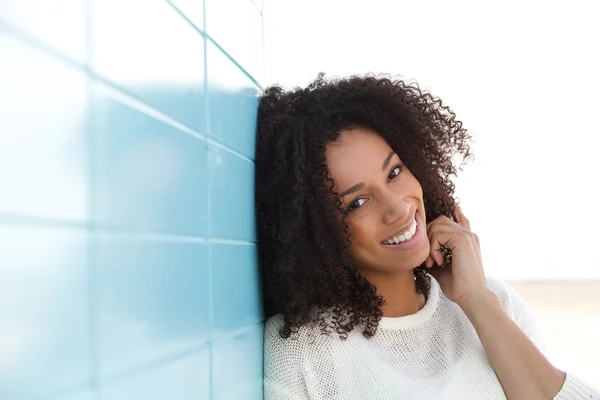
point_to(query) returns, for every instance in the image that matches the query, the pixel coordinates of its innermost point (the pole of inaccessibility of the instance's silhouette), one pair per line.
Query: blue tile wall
(44, 326)
(235, 302)
(153, 296)
(128, 262)
(231, 195)
(230, 90)
(186, 378)
(42, 146)
(148, 175)
(237, 356)
(155, 55)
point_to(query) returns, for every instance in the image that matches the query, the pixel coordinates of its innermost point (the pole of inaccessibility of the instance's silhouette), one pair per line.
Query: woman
(373, 281)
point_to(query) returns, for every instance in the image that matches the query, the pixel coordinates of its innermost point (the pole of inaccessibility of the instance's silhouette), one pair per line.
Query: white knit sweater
(433, 354)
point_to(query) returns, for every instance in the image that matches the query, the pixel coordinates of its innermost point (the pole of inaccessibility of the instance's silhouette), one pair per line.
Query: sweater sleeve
(283, 379)
(518, 309)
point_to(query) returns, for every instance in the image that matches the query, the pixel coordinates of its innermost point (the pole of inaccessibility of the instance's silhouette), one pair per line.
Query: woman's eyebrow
(352, 189)
(359, 186)
(387, 160)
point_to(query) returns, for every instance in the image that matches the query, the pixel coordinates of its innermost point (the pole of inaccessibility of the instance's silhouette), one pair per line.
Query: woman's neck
(399, 292)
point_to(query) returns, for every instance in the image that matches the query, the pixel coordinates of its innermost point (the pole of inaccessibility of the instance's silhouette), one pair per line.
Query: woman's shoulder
(274, 322)
(305, 342)
(306, 333)
(499, 286)
(283, 361)
(519, 311)
(512, 302)
(273, 327)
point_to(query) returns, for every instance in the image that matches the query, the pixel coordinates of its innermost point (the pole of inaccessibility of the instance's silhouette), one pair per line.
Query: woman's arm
(521, 313)
(523, 371)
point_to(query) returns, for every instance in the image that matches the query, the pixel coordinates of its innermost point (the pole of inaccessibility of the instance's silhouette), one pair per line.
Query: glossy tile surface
(232, 103)
(154, 54)
(127, 245)
(234, 271)
(77, 395)
(44, 318)
(185, 379)
(153, 298)
(240, 356)
(42, 135)
(231, 193)
(149, 175)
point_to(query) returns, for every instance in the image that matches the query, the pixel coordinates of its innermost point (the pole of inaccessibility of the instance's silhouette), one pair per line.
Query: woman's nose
(395, 210)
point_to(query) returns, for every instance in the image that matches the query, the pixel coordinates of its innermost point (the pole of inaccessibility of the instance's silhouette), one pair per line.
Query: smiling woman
(355, 212)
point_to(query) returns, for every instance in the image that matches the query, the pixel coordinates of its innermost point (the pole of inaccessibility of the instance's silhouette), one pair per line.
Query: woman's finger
(443, 239)
(463, 221)
(460, 217)
(441, 220)
(444, 226)
(429, 262)
(436, 253)
(436, 235)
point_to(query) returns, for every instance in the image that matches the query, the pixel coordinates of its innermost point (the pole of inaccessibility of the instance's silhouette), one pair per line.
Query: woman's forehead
(357, 156)
(357, 146)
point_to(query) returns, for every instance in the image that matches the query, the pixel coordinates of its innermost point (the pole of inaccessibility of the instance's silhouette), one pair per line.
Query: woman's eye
(356, 204)
(395, 172)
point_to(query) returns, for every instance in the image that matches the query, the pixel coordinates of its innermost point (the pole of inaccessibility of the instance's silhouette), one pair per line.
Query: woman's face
(383, 200)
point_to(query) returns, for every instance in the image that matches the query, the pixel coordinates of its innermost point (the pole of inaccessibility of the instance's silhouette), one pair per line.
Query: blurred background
(127, 248)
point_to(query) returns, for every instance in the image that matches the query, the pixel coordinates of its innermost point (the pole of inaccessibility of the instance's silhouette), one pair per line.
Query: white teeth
(405, 236)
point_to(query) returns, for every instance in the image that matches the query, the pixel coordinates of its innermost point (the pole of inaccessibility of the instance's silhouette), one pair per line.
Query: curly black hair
(303, 246)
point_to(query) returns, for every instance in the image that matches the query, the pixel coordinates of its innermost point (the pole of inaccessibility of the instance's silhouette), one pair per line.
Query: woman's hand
(463, 281)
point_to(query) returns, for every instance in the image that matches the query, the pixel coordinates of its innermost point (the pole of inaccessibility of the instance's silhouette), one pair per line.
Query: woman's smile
(412, 242)
(406, 232)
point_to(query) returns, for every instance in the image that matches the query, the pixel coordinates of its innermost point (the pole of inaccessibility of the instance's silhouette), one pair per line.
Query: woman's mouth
(408, 239)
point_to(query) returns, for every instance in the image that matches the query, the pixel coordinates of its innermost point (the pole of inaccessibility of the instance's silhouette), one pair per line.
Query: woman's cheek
(359, 230)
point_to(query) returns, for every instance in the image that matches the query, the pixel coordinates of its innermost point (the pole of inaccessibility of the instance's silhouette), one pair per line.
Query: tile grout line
(64, 224)
(91, 233)
(213, 41)
(208, 210)
(229, 150)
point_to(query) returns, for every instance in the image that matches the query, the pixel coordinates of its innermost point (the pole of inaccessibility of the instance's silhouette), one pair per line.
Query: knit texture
(432, 354)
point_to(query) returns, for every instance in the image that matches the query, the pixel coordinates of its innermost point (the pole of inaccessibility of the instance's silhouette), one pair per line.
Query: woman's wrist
(480, 301)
